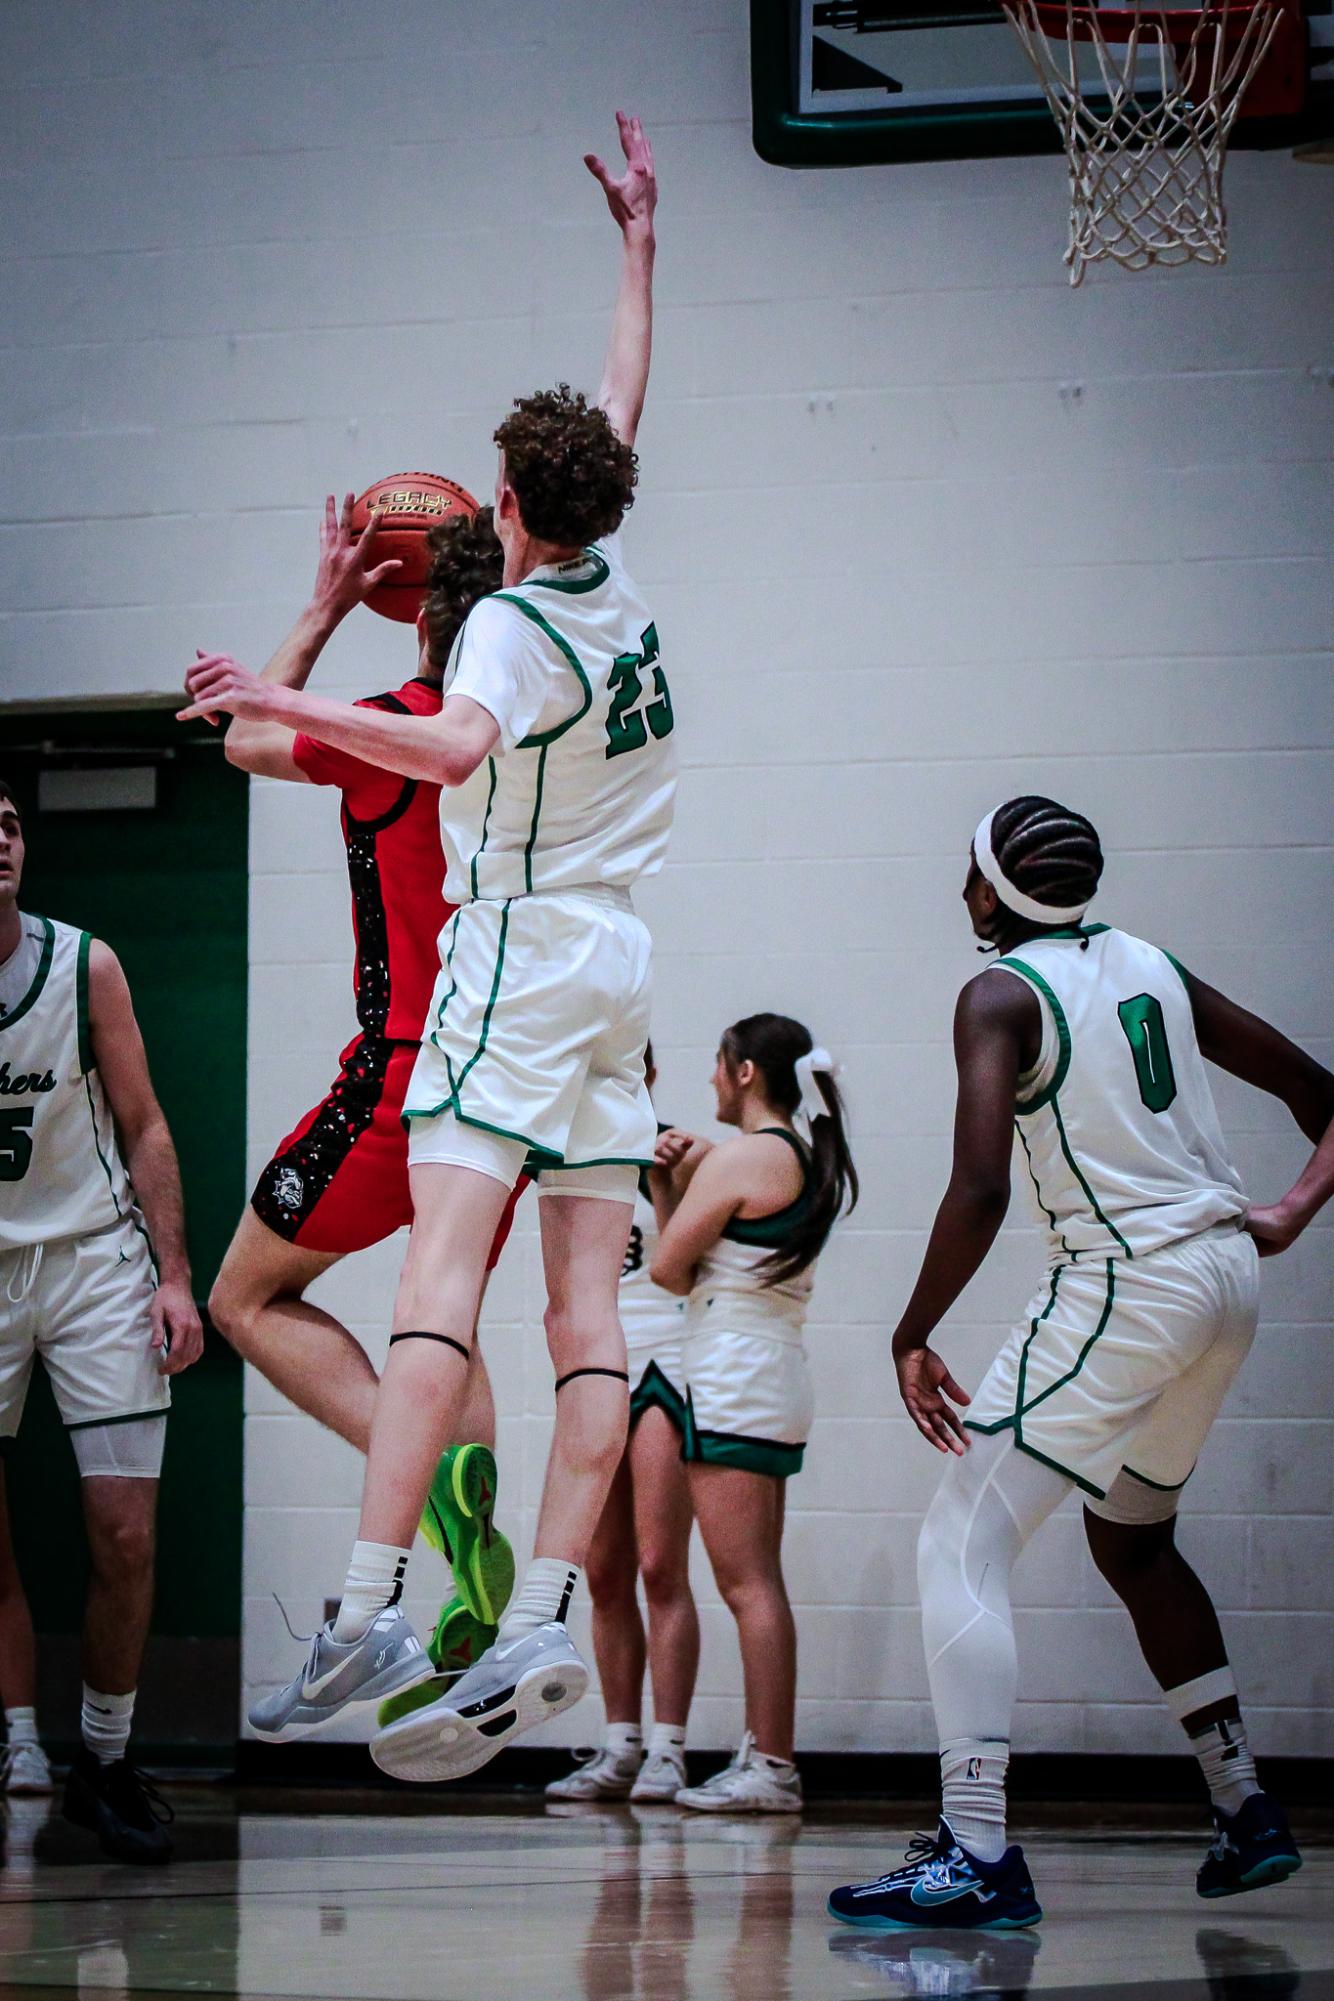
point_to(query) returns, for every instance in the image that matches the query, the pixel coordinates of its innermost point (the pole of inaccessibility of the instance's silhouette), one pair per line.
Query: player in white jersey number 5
(554, 748)
(1093, 1044)
(86, 1161)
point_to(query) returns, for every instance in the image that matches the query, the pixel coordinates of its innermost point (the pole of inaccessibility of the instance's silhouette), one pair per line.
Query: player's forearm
(630, 346)
(294, 661)
(150, 1160)
(414, 746)
(264, 749)
(1312, 1188)
(966, 1226)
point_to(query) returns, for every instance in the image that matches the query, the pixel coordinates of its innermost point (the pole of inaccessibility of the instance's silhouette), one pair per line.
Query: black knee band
(618, 1375)
(445, 1340)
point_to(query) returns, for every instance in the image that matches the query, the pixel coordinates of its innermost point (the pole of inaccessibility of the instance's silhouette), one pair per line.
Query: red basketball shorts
(339, 1182)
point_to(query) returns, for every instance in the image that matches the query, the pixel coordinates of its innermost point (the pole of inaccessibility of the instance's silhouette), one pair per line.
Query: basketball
(409, 505)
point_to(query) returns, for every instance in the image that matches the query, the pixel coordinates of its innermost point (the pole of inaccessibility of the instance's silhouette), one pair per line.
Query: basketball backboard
(854, 82)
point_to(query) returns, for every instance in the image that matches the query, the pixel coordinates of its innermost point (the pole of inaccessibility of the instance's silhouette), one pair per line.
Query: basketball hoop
(1146, 118)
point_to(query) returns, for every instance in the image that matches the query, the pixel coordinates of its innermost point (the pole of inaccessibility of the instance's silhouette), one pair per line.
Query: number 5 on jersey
(628, 724)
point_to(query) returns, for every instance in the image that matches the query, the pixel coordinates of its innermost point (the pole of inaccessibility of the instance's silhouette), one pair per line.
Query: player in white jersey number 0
(555, 753)
(1093, 1044)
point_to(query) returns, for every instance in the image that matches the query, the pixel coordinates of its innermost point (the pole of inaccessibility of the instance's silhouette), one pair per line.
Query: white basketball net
(1146, 147)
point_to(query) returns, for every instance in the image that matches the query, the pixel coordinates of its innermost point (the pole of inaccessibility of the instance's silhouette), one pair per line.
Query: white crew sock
(1224, 1755)
(623, 1740)
(972, 1778)
(667, 1740)
(374, 1581)
(542, 1598)
(21, 1726)
(105, 1723)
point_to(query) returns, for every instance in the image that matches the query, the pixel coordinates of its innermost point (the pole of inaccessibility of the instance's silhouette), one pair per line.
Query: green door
(165, 884)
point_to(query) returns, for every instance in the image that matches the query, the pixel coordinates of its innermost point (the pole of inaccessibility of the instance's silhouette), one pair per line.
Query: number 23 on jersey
(631, 718)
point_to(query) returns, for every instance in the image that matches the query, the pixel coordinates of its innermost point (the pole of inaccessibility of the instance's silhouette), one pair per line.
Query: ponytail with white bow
(800, 1080)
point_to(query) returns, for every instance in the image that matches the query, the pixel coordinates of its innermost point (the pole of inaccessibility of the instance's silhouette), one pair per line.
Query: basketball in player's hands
(408, 506)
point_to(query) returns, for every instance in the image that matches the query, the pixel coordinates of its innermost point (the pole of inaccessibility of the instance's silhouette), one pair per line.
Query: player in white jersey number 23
(555, 751)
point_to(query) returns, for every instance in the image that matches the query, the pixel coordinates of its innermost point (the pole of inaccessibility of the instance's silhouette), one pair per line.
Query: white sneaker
(748, 1785)
(24, 1768)
(662, 1776)
(599, 1775)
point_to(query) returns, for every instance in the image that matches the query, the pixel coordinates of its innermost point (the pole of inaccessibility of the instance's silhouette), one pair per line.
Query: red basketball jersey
(391, 826)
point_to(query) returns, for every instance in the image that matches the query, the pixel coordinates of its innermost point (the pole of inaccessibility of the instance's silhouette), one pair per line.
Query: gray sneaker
(516, 1685)
(341, 1679)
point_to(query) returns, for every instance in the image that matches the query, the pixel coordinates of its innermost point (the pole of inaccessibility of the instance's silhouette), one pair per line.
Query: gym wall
(921, 529)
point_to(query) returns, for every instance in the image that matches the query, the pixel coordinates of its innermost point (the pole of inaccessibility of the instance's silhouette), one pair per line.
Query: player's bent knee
(665, 1574)
(123, 1548)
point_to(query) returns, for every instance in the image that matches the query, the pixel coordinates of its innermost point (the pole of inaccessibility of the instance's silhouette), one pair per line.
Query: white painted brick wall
(920, 527)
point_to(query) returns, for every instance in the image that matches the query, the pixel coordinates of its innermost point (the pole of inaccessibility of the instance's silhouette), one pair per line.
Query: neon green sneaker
(458, 1641)
(458, 1521)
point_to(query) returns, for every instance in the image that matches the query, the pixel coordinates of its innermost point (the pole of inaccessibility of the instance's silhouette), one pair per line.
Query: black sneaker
(124, 1811)
(1251, 1847)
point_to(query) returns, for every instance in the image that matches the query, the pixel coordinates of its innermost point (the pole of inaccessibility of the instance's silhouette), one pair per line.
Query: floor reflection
(609, 1903)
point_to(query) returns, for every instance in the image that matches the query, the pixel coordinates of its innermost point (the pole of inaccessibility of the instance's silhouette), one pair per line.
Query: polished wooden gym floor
(346, 1896)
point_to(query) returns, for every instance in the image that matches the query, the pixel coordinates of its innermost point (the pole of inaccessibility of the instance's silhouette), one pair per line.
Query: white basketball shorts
(538, 1027)
(82, 1304)
(749, 1398)
(1124, 1363)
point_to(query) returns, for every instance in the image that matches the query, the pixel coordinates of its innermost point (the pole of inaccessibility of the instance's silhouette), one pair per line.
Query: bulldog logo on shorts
(288, 1188)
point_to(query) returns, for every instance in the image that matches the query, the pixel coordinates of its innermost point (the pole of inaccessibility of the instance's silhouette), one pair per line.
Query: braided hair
(773, 1043)
(1049, 852)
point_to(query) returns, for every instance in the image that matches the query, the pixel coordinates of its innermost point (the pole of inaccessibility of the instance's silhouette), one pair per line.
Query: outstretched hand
(348, 572)
(924, 1383)
(633, 196)
(1272, 1228)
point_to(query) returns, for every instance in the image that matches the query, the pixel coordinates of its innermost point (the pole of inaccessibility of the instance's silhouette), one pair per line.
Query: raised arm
(632, 199)
(347, 573)
(1251, 1049)
(995, 1020)
(150, 1157)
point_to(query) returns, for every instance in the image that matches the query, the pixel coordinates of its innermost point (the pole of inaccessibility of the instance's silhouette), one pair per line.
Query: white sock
(543, 1597)
(623, 1740)
(105, 1723)
(374, 1581)
(667, 1740)
(1226, 1761)
(972, 1779)
(1224, 1755)
(21, 1726)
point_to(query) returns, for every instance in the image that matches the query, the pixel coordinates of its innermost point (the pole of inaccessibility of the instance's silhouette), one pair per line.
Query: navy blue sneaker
(1250, 1848)
(942, 1886)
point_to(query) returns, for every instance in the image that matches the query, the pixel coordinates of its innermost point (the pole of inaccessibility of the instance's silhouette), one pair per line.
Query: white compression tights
(987, 1506)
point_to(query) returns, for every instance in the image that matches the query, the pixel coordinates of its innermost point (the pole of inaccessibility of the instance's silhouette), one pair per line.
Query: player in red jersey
(338, 1183)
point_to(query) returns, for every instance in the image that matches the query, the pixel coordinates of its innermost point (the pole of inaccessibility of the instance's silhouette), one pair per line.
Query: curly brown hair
(467, 563)
(573, 477)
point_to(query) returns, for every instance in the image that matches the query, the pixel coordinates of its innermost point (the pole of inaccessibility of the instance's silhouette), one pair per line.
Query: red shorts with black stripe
(339, 1182)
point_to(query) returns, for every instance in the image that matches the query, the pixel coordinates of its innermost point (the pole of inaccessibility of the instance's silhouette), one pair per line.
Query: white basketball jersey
(588, 797)
(737, 1266)
(646, 1310)
(1117, 1118)
(61, 1174)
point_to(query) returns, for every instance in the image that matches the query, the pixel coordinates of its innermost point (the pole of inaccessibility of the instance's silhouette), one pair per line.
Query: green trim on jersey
(81, 1004)
(1178, 969)
(530, 612)
(38, 978)
(1037, 1190)
(97, 1149)
(1045, 1096)
(574, 586)
(1049, 1095)
(486, 823)
(537, 815)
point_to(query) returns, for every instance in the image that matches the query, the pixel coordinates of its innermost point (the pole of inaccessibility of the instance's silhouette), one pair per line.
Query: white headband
(816, 1063)
(1014, 899)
